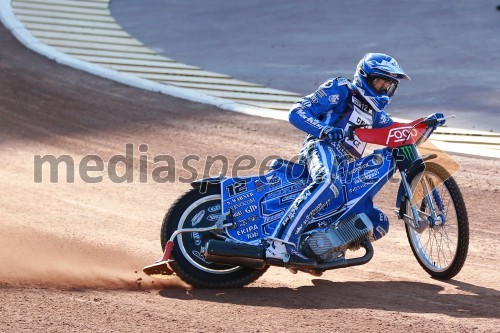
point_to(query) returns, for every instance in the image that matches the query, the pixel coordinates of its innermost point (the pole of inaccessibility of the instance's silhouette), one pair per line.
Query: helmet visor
(382, 85)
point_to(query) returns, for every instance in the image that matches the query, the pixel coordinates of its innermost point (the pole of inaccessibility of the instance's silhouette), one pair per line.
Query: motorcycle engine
(327, 245)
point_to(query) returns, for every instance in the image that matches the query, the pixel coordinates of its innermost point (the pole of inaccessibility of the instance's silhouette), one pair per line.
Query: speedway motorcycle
(213, 235)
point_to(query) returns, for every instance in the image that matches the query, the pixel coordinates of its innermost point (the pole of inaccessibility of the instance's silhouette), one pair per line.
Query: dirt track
(69, 252)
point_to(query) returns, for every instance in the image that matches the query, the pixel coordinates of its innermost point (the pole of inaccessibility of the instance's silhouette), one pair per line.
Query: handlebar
(434, 122)
(395, 134)
(350, 131)
(427, 122)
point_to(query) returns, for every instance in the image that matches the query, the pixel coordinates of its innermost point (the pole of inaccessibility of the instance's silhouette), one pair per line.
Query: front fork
(433, 219)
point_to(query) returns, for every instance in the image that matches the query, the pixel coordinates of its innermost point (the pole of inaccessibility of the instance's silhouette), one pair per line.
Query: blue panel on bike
(363, 177)
(361, 180)
(257, 203)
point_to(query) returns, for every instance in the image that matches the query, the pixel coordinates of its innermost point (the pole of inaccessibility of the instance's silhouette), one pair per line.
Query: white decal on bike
(253, 218)
(352, 203)
(273, 180)
(197, 218)
(236, 188)
(198, 255)
(213, 217)
(251, 209)
(381, 231)
(197, 238)
(289, 197)
(237, 213)
(359, 187)
(247, 230)
(273, 217)
(242, 197)
(214, 209)
(243, 204)
(370, 174)
(286, 190)
(401, 134)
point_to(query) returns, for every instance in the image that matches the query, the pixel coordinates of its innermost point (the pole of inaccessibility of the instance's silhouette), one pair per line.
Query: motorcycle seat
(291, 169)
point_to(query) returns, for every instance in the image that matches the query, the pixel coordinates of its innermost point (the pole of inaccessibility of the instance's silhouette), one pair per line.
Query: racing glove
(332, 133)
(438, 119)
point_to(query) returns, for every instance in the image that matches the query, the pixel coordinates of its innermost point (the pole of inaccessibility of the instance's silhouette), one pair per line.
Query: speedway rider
(326, 116)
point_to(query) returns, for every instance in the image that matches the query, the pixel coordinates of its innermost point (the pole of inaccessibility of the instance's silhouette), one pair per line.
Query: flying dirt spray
(30, 257)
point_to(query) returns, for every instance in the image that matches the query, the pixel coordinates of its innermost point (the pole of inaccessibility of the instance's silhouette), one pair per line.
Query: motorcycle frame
(416, 132)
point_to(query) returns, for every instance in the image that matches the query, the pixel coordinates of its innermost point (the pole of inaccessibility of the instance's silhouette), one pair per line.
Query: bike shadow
(403, 296)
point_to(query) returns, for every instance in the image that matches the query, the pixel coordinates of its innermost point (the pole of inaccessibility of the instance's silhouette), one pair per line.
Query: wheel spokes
(438, 244)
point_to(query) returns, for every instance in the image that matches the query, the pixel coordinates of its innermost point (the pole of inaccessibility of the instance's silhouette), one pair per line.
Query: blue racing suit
(336, 103)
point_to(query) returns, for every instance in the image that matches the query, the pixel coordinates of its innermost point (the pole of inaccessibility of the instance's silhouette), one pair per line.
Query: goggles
(382, 85)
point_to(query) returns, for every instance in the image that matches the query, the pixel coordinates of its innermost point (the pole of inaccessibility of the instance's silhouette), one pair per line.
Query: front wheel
(195, 209)
(441, 249)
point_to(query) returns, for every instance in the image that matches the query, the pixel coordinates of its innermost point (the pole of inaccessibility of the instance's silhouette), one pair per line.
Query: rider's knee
(321, 177)
(330, 186)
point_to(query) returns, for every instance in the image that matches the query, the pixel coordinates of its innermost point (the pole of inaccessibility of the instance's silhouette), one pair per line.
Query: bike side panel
(257, 203)
(361, 180)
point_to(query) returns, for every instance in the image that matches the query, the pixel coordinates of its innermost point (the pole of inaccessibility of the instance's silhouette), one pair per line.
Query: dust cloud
(30, 257)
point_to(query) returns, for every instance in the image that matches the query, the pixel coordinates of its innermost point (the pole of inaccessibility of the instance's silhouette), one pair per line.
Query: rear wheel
(441, 249)
(198, 210)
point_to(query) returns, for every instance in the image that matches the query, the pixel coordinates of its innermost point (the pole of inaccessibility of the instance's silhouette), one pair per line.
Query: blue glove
(332, 133)
(436, 116)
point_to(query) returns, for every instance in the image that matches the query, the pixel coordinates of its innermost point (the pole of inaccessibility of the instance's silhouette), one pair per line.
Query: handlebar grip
(350, 131)
(431, 122)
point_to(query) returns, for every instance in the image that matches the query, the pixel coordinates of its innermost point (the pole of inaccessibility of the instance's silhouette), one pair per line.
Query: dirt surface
(71, 253)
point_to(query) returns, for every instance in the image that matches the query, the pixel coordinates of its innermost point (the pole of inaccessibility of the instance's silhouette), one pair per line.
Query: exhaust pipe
(229, 253)
(253, 256)
(350, 262)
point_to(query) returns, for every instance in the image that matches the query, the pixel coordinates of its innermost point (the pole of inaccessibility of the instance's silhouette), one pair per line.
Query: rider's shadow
(411, 297)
